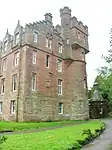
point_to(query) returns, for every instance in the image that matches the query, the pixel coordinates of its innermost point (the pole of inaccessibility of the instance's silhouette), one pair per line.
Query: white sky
(96, 14)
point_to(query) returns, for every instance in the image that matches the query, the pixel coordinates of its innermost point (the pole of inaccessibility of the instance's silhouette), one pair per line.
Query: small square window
(60, 108)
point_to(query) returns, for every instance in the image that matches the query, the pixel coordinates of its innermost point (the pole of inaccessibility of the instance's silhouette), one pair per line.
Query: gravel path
(103, 141)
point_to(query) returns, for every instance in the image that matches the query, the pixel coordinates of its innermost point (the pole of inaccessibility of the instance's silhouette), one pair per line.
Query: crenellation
(66, 11)
(78, 24)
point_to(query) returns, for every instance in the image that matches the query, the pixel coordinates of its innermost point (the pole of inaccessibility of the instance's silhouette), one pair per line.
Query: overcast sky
(96, 14)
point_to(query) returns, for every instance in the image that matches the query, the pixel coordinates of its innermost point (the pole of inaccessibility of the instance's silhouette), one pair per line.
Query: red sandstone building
(43, 71)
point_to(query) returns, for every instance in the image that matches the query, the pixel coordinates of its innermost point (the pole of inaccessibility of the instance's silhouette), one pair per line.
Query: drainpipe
(18, 90)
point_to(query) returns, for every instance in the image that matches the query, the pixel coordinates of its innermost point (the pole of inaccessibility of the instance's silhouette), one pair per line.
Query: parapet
(65, 10)
(78, 24)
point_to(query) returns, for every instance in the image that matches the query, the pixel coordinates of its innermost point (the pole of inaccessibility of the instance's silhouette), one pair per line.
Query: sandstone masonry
(43, 71)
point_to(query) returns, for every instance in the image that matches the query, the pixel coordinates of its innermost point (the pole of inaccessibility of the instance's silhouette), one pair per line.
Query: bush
(2, 139)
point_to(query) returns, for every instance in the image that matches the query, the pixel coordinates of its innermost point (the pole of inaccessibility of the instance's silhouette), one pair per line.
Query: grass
(58, 139)
(17, 126)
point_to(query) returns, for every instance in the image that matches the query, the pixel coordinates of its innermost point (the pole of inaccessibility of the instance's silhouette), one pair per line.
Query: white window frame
(60, 108)
(34, 57)
(59, 86)
(4, 64)
(59, 65)
(47, 61)
(16, 59)
(12, 107)
(1, 107)
(17, 38)
(35, 37)
(60, 48)
(3, 86)
(48, 42)
(33, 85)
(14, 82)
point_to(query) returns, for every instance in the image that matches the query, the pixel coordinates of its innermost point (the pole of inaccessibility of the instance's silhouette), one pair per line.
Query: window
(14, 82)
(12, 107)
(34, 81)
(2, 86)
(59, 47)
(4, 64)
(48, 42)
(34, 57)
(68, 41)
(5, 45)
(0, 107)
(59, 65)
(35, 37)
(47, 61)
(59, 86)
(60, 108)
(17, 38)
(16, 59)
(84, 84)
(83, 56)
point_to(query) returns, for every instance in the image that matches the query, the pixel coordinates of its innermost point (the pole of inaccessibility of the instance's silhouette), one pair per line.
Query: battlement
(66, 11)
(78, 24)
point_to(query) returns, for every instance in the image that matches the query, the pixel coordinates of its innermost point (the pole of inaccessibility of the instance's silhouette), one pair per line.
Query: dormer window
(17, 39)
(35, 37)
(5, 45)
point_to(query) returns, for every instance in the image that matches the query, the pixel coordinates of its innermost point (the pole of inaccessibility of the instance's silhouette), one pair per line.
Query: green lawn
(58, 139)
(13, 126)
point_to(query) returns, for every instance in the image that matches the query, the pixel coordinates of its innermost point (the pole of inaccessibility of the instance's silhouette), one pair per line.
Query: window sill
(60, 94)
(14, 91)
(2, 94)
(60, 113)
(12, 114)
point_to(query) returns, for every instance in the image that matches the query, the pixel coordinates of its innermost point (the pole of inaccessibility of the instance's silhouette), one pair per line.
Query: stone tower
(75, 36)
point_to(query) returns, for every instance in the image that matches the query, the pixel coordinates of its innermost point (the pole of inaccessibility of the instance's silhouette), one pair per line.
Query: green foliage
(2, 140)
(67, 138)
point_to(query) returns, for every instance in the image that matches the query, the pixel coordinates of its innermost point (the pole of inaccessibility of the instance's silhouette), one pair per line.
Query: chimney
(48, 18)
